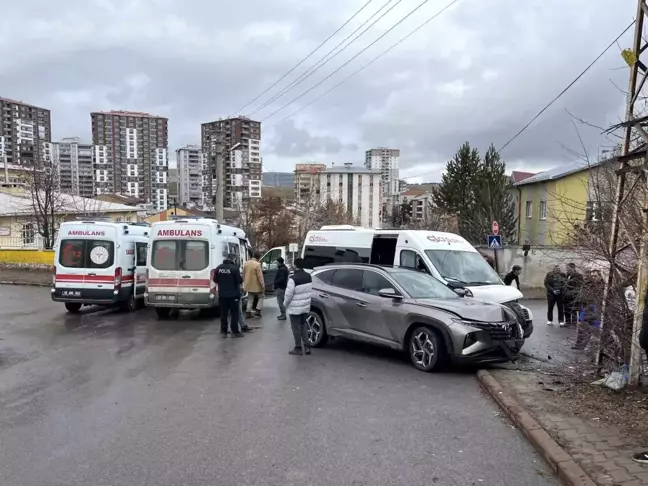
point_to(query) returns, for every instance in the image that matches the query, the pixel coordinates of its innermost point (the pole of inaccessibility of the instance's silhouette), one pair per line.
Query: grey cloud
(290, 141)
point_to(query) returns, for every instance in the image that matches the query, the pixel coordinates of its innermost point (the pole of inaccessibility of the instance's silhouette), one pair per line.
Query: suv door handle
(323, 296)
(361, 304)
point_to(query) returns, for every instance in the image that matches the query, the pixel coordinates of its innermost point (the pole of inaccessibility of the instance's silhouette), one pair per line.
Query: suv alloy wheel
(316, 330)
(424, 349)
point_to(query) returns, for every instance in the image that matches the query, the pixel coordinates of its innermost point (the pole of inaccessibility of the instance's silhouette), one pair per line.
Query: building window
(543, 209)
(28, 234)
(529, 209)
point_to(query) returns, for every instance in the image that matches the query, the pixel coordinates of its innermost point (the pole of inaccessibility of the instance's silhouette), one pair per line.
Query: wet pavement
(125, 399)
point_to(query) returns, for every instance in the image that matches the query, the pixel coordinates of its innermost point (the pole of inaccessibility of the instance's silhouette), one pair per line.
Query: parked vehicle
(100, 263)
(269, 263)
(444, 256)
(410, 311)
(183, 257)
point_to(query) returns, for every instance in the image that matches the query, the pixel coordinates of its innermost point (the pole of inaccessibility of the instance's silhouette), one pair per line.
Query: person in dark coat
(280, 284)
(573, 287)
(513, 276)
(228, 278)
(642, 457)
(555, 284)
(591, 298)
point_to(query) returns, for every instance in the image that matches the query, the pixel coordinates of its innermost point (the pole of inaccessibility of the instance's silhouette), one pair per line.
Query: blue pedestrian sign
(495, 242)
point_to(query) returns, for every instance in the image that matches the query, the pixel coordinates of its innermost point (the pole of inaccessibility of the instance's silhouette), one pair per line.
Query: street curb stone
(31, 284)
(558, 459)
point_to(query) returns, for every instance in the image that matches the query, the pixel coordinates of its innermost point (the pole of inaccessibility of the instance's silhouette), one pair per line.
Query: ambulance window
(72, 253)
(100, 254)
(195, 256)
(140, 248)
(164, 255)
(234, 248)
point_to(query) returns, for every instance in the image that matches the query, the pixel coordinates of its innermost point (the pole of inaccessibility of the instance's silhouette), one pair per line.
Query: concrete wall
(539, 261)
(27, 258)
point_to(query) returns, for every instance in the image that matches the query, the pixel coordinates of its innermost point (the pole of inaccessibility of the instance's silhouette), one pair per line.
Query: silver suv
(410, 311)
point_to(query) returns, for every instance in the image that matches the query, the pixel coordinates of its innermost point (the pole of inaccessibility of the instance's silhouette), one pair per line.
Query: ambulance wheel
(72, 307)
(162, 312)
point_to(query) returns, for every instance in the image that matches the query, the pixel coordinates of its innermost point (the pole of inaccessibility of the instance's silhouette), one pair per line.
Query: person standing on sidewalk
(228, 278)
(555, 284)
(297, 303)
(254, 285)
(280, 284)
(573, 288)
(589, 318)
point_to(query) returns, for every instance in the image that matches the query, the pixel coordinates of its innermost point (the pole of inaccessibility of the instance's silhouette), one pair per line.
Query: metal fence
(23, 242)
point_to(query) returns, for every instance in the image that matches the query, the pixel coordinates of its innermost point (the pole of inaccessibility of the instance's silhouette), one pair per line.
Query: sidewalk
(25, 276)
(598, 428)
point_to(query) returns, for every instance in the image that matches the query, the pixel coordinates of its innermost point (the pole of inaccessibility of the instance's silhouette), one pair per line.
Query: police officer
(228, 278)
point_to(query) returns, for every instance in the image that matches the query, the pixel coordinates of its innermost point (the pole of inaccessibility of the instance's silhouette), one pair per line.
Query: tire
(72, 307)
(162, 312)
(425, 348)
(316, 329)
(131, 303)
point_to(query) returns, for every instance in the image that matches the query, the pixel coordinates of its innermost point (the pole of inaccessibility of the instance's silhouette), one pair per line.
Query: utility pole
(633, 127)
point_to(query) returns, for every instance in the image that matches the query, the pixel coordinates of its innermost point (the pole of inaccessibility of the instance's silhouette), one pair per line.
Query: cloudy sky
(476, 73)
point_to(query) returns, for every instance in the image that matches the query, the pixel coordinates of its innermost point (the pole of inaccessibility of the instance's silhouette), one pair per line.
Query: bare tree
(46, 202)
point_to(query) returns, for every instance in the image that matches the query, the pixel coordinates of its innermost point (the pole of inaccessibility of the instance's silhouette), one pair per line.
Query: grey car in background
(409, 311)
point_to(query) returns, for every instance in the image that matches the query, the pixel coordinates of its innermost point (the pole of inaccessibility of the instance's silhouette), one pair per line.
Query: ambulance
(100, 263)
(182, 258)
(445, 256)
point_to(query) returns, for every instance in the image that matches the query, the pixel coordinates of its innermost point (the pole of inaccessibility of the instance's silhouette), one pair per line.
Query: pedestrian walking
(280, 284)
(573, 288)
(297, 303)
(589, 318)
(228, 278)
(513, 276)
(555, 284)
(254, 285)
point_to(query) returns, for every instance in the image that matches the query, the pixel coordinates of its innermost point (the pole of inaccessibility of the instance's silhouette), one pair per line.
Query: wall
(27, 258)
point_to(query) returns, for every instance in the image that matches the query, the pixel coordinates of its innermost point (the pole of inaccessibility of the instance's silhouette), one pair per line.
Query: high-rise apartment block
(25, 132)
(131, 155)
(387, 162)
(73, 161)
(358, 189)
(237, 141)
(307, 183)
(194, 178)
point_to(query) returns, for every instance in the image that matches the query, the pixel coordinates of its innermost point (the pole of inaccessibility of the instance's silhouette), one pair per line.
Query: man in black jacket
(555, 284)
(228, 278)
(280, 283)
(513, 276)
(573, 288)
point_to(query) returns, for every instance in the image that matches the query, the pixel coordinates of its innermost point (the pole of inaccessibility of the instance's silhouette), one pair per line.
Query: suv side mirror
(389, 294)
(462, 292)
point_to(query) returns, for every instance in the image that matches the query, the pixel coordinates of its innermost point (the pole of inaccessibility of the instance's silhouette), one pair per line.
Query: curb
(30, 284)
(558, 459)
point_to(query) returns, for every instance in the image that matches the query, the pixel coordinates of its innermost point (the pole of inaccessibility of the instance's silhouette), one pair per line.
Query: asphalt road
(124, 399)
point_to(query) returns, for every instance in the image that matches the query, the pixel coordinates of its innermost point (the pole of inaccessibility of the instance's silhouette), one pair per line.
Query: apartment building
(194, 178)
(73, 161)
(25, 132)
(307, 182)
(358, 188)
(237, 142)
(131, 155)
(386, 161)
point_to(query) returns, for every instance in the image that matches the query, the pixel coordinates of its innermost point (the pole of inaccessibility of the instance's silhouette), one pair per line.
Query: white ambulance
(100, 263)
(182, 258)
(446, 256)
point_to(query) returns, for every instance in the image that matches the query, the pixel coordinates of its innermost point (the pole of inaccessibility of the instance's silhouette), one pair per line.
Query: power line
(350, 60)
(430, 19)
(568, 87)
(307, 56)
(319, 64)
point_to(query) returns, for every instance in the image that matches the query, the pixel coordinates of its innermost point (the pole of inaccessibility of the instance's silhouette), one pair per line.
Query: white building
(387, 162)
(358, 188)
(194, 188)
(73, 161)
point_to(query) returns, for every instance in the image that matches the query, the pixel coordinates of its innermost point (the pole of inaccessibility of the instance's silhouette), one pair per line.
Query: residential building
(553, 202)
(420, 202)
(236, 144)
(307, 182)
(74, 166)
(387, 162)
(25, 134)
(278, 179)
(358, 188)
(131, 155)
(194, 178)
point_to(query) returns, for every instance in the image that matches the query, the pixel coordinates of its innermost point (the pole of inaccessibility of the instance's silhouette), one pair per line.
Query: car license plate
(165, 298)
(71, 293)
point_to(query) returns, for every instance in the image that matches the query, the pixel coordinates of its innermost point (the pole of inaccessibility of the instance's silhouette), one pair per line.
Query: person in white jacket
(297, 302)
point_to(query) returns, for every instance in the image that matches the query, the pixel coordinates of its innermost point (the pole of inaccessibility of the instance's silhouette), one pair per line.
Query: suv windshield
(422, 286)
(467, 267)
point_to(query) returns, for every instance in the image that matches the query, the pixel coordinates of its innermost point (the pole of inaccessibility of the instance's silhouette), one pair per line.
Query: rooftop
(557, 172)
(9, 100)
(352, 169)
(519, 176)
(140, 114)
(16, 205)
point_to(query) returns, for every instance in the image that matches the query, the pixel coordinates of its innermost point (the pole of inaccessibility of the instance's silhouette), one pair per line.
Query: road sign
(495, 228)
(495, 242)
(293, 247)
